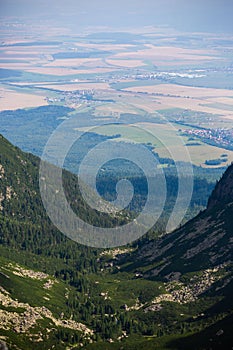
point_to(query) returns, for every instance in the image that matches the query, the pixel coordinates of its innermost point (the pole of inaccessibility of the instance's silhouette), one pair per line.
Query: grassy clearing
(125, 288)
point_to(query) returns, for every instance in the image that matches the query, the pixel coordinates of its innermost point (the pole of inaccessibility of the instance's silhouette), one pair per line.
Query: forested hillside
(171, 293)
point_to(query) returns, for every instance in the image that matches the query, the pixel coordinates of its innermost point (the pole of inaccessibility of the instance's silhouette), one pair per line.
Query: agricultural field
(125, 77)
(167, 140)
(15, 100)
(193, 98)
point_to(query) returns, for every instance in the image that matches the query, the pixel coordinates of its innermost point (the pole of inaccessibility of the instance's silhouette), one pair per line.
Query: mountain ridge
(223, 191)
(206, 240)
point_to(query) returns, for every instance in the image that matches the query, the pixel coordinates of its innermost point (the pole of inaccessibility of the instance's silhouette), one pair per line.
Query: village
(218, 137)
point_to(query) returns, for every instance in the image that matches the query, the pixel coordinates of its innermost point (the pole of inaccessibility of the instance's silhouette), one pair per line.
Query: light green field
(167, 141)
(220, 106)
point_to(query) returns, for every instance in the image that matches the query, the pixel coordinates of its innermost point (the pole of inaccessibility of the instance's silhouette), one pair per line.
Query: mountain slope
(22, 210)
(203, 242)
(196, 265)
(223, 191)
(31, 246)
(171, 293)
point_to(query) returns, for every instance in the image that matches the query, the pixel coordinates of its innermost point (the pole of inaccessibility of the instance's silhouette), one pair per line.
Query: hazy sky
(198, 15)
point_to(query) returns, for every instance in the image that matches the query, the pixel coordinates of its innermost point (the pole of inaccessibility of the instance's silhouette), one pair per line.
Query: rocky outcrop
(23, 321)
(223, 192)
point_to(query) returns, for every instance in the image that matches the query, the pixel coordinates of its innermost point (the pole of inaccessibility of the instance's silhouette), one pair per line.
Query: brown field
(225, 100)
(14, 100)
(29, 50)
(87, 62)
(53, 70)
(28, 83)
(96, 70)
(151, 106)
(169, 53)
(66, 71)
(20, 66)
(183, 91)
(126, 63)
(192, 104)
(169, 63)
(185, 97)
(18, 58)
(15, 41)
(27, 57)
(22, 53)
(78, 86)
(109, 109)
(35, 64)
(35, 48)
(142, 104)
(115, 47)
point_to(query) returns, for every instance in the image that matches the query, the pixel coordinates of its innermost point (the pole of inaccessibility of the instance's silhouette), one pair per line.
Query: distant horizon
(195, 16)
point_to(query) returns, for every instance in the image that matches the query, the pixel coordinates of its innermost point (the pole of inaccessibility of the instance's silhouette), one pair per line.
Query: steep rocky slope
(204, 242)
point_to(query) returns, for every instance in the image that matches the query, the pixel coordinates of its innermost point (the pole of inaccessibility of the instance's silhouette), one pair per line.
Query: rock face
(204, 242)
(3, 345)
(223, 192)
